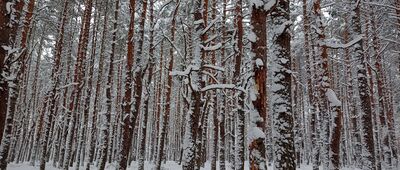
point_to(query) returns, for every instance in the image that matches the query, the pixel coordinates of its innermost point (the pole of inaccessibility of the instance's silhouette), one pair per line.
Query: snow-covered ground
(148, 166)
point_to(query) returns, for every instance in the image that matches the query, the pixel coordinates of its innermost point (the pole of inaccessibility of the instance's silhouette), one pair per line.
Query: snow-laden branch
(283, 27)
(347, 45)
(212, 48)
(191, 68)
(67, 85)
(214, 67)
(209, 26)
(222, 86)
(186, 72)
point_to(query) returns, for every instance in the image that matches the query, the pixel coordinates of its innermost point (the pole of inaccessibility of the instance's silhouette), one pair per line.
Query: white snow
(213, 48)
(347, 45)
(214, 67)
(259, 62)
(252, 37)
(269, 5)
(257, 3)
(222, 86)
(8, 7)
(333, 100)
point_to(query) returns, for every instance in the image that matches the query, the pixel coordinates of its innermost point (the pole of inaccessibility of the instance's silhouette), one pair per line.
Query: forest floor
(148, 166)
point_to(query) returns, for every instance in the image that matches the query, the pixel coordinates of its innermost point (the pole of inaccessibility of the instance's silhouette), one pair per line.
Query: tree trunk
(78, 79)
(257, 127)
(281, 88)
(107, 117)
(365, 96)
(169, 90)
(55, 80)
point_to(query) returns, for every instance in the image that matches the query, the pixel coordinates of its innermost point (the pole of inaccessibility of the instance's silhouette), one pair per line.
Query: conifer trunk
(55, 80)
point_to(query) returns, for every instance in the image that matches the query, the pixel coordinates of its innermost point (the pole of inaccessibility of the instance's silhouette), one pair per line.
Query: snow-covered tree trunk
(127, 126)
(167, 110)
(92, 129)
(330, 105)
(240, 144)
(194, 78)
(105, 130)
(281, 87)
(367, 135)
(56, 82)
(223, 107)
(213, 95)
(258, 38)
(159, 97)
(78, 80)
(145, 113)
(11, 73)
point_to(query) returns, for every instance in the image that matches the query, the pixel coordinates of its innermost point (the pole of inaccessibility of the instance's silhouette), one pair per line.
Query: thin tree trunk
(240, 100)
(107, 117)
(78, 80)
(55, 80)
(169, 90)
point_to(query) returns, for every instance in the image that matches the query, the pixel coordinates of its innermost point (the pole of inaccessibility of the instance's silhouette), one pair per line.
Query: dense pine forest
(200, 84)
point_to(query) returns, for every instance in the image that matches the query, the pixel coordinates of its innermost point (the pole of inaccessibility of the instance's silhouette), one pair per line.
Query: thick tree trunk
(127, 100)
(281, 88)
(330, 102)
(10, 82)
(190, 153)
(257, 127)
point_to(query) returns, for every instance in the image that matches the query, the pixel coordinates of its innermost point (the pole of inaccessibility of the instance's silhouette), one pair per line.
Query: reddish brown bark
(98, 93)
(127, 100)
(78, 80)
(151, 64)
(129, 122)
(236, 74)
(365, 95)
(107, 121)
(223, 109)
(259, 48)
(9, 90)
(169, 90)
(55, 81)
(158, 102)
(325, 87)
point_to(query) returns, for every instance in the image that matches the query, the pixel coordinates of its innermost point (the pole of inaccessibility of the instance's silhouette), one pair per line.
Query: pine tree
(365, 96)
(281, 87)
(56, 82)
